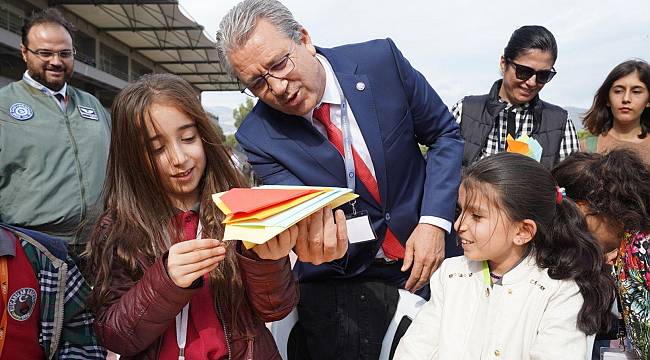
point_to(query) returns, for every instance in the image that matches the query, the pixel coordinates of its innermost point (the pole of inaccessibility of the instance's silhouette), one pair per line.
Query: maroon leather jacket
(133, 320)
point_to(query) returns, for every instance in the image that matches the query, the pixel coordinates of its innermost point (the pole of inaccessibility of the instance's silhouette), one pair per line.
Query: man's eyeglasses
(279, 71)
(47, 55)
(523, 73)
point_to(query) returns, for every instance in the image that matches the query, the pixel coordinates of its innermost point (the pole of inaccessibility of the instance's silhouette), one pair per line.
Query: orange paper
(515, 146)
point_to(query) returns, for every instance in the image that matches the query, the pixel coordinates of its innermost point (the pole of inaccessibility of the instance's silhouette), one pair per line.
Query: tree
(239, 114)
(583, 133)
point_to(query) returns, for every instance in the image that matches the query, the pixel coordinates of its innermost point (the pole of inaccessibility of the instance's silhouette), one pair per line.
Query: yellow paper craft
(256, 235)
(263, 214)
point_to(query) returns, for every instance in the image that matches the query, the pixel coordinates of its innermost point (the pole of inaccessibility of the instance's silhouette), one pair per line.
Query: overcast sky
(457, 44)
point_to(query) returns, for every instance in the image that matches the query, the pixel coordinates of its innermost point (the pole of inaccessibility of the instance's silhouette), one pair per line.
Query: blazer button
(497, 353)
(387, 217)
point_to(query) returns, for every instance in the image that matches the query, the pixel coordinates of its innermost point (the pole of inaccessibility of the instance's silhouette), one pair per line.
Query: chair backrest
(408, 306)
(281, 331)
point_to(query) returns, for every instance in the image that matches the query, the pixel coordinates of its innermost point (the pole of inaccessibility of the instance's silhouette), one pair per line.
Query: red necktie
(391, 246)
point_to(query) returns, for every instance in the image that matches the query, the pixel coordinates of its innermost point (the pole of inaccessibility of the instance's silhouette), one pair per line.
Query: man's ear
(525, 232)
(305, 39)
(23, 52)
(502, 65)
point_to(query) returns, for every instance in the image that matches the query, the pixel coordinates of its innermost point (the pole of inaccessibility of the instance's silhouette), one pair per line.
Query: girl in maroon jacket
(166, 287)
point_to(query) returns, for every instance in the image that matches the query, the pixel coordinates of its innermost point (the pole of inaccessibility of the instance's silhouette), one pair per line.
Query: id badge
(610, 353)
(359, 227)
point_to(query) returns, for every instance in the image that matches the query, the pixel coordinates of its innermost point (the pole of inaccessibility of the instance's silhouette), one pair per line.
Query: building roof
(160, 31)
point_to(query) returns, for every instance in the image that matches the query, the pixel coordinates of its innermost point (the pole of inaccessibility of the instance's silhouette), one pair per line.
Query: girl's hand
(191, 259)
(279, 246)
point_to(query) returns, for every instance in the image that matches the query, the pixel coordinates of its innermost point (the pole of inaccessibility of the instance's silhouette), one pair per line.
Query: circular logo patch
(21, 304)
(20, 111)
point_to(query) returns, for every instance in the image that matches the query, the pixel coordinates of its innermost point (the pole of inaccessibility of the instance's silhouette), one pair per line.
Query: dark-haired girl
(513, 105)
(620, 114)
(613, 192)
(531, 283)
(166, 287)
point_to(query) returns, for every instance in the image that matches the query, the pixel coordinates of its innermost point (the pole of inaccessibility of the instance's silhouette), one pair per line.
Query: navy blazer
(395, 111)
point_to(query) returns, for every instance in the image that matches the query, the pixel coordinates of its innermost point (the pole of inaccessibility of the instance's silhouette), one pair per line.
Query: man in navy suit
(351, 112)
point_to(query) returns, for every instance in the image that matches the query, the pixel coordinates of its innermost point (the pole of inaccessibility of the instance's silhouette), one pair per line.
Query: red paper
(240, 200)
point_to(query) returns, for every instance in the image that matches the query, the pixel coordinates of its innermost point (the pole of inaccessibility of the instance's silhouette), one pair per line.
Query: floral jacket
(633, 281)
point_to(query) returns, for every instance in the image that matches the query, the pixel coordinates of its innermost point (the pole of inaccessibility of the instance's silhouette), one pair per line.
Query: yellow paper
(220, 204)
(255, 235)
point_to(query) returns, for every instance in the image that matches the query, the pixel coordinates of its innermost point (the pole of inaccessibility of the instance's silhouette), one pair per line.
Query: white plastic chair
(281, 331)
(590, 345)
(408, 305)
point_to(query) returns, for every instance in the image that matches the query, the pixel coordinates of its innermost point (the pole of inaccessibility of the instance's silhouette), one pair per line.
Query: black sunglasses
(523, 72)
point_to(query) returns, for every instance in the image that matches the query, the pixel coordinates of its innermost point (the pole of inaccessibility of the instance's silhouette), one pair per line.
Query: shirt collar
(520, 272)
(509, 106)
(331, 94)
(7, 243)
(44, 89)
(195, 208)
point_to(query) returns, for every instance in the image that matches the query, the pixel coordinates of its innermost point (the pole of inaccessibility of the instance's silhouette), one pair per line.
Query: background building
(117, 41)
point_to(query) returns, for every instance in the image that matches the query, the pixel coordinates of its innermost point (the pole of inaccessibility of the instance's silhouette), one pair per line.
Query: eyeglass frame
(38, 54)
(248, 92)
(552, 72)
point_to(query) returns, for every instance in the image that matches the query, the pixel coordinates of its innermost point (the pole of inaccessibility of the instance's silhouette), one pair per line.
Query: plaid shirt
(496, 141)
(66, 330)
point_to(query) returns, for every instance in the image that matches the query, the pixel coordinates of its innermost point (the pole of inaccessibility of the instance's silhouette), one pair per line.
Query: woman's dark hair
(562, 244)
(599, 119)
(47, 16)
(527, 38)
(615, 185)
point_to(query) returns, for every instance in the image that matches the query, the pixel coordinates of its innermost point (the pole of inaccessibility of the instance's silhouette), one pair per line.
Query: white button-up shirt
(333, 97)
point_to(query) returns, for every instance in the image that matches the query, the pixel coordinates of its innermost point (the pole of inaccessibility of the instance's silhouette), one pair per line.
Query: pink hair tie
(560, 193)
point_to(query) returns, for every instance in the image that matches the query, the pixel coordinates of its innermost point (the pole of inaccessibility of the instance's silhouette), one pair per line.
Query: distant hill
(226, 121)
(576, 114)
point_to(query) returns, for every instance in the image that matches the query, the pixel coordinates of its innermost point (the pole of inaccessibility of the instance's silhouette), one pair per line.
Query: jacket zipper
(249, 350)
(225, 329)
(82, 190)
(60, 304)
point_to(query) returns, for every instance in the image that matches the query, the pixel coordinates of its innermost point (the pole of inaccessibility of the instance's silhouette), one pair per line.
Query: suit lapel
(303, 134)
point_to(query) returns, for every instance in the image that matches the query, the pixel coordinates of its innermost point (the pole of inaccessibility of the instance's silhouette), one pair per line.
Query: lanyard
(486, 274)
(4, 280)
(183, 316)
(350, 173)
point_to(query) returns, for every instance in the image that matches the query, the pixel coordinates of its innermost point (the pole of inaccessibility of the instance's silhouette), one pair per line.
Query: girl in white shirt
(531, 284)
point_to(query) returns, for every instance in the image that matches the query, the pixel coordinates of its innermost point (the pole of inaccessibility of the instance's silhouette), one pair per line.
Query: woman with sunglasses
(620, 114)
(513, 107)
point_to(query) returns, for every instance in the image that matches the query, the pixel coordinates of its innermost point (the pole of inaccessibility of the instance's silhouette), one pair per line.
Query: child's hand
(191, 259)
(279, 246)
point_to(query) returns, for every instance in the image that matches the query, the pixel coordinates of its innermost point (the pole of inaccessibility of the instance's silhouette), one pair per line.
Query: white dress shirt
(332, 96)
(47, 91)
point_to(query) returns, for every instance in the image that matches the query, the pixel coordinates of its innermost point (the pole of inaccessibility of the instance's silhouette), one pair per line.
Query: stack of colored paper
(258, 214)
(525, 145)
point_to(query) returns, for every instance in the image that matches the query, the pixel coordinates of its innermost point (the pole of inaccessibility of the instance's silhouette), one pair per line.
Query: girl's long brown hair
(135, 199)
